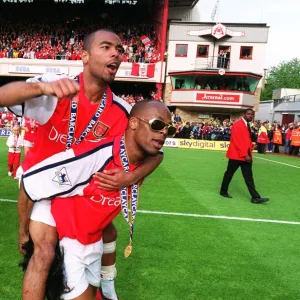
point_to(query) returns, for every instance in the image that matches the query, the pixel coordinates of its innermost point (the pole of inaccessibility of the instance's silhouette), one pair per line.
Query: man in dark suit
(240, 155)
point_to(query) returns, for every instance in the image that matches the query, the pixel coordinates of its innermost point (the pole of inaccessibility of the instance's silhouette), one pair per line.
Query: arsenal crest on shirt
(100, 129)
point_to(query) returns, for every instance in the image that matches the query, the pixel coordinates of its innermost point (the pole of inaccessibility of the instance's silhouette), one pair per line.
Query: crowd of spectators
(270, 136)
(212, 129)
(214, 84)
(8, 119)
(135, 98)
(64, 41)
(217, 130)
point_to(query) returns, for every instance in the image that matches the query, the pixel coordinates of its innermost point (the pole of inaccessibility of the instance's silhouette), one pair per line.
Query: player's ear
(85, 57)
(133, 123)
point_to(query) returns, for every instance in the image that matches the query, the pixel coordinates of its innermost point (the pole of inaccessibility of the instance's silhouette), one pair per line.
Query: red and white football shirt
(81, 209)
(53, 117)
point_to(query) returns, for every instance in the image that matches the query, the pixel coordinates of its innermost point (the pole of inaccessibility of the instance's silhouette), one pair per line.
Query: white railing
(212, 62)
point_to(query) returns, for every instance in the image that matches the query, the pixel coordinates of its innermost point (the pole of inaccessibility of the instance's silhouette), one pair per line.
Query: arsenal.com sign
(208, 97)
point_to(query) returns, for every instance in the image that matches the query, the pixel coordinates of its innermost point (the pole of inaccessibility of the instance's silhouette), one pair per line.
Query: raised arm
(37, 97)
(18, 92)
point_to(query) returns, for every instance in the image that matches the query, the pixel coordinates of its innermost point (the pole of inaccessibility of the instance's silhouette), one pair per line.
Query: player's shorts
(28, 144)
(41, 212)
(82, 266)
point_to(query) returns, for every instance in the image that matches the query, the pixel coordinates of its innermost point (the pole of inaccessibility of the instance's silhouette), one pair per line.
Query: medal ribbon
(129, 218)
(89, 127)
(15, 141)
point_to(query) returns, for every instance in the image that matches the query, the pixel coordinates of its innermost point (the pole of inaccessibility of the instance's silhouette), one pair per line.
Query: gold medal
(128, 251)
(129, 214)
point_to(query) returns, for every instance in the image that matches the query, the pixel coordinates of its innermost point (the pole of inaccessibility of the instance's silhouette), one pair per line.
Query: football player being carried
(80, 208)
(70, 112)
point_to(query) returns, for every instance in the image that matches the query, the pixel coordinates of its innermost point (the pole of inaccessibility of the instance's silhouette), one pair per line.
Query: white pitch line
(8, 200)
(278, 162)
(217, 217)
(153, 212)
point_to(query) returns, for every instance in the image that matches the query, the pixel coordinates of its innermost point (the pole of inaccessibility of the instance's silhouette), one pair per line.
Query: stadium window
(181, 50)
(246, 52)
(202, 50)
(179, 84)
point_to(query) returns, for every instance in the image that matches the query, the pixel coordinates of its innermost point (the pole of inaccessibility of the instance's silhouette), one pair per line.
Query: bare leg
(108, 269)
(44, 238)
(109, 236)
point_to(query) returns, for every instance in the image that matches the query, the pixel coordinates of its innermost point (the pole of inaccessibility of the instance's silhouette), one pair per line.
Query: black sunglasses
(159, 125)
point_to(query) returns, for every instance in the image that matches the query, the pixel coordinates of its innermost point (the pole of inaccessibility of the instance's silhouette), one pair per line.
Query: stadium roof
(287, 106)
(172, 3)
(181, 3)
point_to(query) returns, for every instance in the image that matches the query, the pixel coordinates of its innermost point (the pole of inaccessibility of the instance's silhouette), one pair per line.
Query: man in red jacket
(240, 155)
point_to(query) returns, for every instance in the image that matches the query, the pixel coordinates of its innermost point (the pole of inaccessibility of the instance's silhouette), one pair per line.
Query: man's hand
(114, 179)
(63, 88)
(248, 159)
(23, 238)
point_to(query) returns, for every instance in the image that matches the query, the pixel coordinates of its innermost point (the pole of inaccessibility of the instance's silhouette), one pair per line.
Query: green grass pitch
(187, 257)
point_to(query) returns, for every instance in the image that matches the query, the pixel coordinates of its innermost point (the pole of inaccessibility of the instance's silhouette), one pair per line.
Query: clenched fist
(63, 88)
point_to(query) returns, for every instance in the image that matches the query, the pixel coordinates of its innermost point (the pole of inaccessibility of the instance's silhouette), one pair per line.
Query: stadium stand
(57, 30)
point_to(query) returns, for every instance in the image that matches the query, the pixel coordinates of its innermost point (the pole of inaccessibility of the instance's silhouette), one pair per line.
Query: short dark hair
(248, 109)
(88, 39)
(141, 106)
(138, 107)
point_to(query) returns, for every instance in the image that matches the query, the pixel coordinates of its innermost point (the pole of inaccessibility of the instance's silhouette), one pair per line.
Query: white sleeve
(64, 174)
(122, 104)
(10, 141)
(39, 108)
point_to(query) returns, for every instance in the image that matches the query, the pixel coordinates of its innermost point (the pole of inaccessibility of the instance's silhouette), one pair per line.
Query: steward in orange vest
(295, 141)
(295, 138)
(277, 139)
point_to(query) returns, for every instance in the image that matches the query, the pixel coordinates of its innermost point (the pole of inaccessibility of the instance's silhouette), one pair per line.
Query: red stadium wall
(160, 20)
